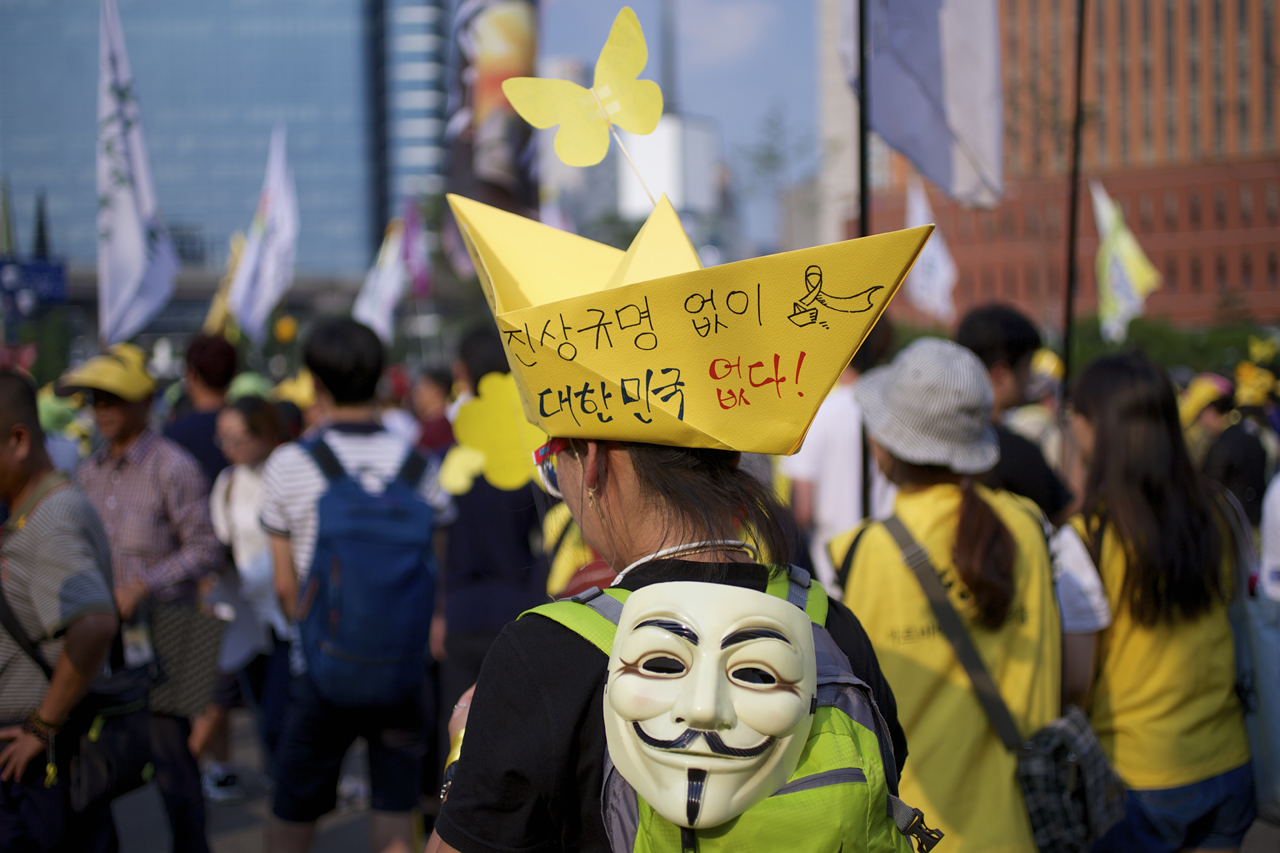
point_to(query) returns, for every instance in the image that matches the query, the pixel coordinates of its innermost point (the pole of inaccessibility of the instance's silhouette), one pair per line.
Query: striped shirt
(154, 504)
(293, 483)
(55, 568)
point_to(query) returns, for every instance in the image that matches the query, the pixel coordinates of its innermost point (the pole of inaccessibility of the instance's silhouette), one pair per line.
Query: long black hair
(984, 552)
(1142, 482)
(705, 494)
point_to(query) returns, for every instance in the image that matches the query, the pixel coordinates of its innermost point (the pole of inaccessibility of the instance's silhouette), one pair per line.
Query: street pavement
(238, 827)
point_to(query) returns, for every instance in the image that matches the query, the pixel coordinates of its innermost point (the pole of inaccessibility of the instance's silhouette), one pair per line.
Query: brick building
(1180, 102)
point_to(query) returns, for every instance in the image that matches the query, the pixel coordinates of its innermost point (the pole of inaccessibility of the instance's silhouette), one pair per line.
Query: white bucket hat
(932, 406)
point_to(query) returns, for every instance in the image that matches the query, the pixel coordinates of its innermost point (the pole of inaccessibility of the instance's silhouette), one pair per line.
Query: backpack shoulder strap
(597, 622)
(325, 458)
(842, 573)
(917, 559)
(797, 587)
(9, 620)
(415, 465)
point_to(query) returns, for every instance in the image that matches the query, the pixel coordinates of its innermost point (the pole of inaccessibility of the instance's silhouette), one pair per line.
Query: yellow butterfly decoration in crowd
(587, 116)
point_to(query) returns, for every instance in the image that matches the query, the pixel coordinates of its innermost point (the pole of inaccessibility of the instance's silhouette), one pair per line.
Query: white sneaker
(220, 784)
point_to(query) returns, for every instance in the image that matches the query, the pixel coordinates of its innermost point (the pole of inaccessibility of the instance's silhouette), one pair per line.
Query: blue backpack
(365, 612)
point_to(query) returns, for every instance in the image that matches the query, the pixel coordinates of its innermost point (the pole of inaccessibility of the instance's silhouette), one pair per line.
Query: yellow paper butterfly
(585, 116)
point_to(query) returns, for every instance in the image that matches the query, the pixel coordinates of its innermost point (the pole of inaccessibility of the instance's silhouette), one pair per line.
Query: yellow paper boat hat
(648, 346)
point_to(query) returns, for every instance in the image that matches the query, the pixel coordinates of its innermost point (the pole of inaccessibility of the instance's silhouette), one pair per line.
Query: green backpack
(837, 800)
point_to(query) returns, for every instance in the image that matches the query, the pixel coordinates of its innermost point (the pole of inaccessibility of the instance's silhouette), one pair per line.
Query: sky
(735, 59)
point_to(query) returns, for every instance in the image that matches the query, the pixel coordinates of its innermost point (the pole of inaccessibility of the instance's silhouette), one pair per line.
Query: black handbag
(105, 747)
(1073, 795)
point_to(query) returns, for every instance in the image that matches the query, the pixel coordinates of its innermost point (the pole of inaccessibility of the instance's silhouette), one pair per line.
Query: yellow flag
(1125, 276)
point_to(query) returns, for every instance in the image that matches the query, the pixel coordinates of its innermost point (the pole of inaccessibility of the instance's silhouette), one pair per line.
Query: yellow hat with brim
(121, 370)
(1206, 388)
(299, 389)
(647, 346)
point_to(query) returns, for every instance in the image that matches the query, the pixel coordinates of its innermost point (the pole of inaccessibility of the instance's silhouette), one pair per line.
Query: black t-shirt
(1023, 471)
(533, 761)
(196, 433)
(491, 574)
(1237, 461)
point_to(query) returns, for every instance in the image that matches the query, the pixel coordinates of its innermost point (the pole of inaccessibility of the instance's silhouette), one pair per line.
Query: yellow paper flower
(1262, 350)
(494, 440)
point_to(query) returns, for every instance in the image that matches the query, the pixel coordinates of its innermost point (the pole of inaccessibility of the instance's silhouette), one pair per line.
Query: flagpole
(864, 125)
(1073, 201)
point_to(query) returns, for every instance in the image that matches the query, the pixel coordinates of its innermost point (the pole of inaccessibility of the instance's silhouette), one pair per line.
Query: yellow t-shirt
(1164, 702)
(958, 772)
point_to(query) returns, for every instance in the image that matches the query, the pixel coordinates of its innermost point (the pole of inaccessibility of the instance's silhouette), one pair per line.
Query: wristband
(40, 728)
(455, 747)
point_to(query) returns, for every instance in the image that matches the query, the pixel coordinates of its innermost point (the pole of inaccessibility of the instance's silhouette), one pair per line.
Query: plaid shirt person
(154, 503)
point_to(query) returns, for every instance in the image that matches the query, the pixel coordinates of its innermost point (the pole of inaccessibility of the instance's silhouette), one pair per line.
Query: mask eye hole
(663, 665)
(753, 676)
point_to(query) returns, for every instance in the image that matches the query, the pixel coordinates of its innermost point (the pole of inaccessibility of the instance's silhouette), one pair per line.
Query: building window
(1273, 204)
(1146, 212)
(1100, 68)
(1031, 221)
(988, 284)
(1010, 284)
(1122, 37)
(1033, 282)
(1246, 205)
(1013, 102)
(1219, 93)
(1195, 275)
(1171, 275)
(1193, 209)
(965, 229)
(1246, 272)
(1269, 80)
(987, 222)
(1171, 211)
(1055, 281)
(1008, 223)
(1273, 271)
(1242, 74)
(1220, 207)
(1193, 74)
(1220, 273)
(1033, 86)
(1055, 75)
(1148, 148)
(966, 287)
(1170, 78)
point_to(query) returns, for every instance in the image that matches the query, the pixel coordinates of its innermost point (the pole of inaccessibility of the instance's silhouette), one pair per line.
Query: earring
(591, 495)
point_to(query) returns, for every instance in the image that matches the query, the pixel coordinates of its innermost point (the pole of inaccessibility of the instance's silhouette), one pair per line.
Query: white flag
(383, 286)
(936, 93)
(933, 277)
(1125, 276)
(136, 261)
(265, 271)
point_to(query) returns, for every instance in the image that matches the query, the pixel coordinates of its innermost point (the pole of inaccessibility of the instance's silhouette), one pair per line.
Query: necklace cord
(692, 548)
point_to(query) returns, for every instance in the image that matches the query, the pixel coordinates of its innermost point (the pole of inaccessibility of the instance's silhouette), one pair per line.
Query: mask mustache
(714, 743)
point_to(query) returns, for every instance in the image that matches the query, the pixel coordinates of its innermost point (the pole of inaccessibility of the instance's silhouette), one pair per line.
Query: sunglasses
(544, 458)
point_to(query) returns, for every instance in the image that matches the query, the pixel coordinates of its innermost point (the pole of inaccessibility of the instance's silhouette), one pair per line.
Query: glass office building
(354, 81)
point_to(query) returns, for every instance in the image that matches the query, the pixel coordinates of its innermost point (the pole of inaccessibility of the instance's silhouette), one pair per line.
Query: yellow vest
(957, 771)
(1164, 703)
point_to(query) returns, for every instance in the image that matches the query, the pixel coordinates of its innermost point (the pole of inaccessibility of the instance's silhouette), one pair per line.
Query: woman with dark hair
(253, 662)
(1164, 703)
(928, 417)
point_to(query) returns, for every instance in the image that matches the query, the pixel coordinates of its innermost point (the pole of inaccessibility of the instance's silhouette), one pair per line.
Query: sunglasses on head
(545, 460)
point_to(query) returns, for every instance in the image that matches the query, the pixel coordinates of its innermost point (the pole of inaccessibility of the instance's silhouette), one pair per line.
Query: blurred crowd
(1088, 528)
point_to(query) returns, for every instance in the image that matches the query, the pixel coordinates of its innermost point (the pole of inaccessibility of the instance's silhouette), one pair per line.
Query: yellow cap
(1203, 390)
(299, 389)
(121, 370)
(1047, 365)
(1253, 384)
(647, 346)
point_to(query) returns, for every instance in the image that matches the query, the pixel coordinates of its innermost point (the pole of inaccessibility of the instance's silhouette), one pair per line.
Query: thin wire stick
(618, 138)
